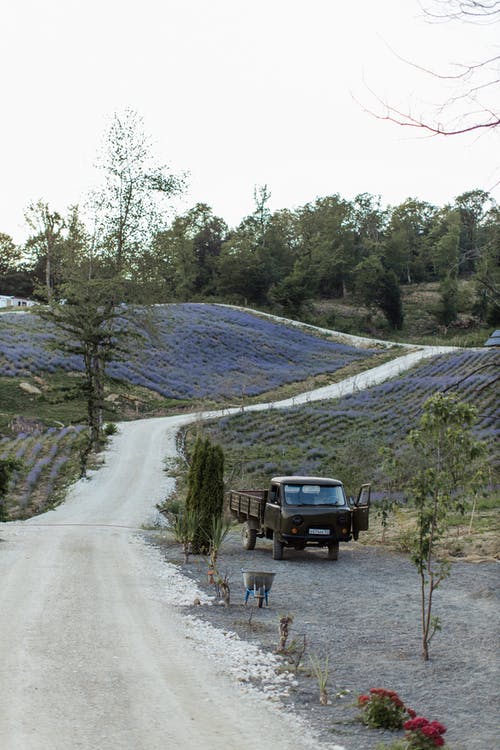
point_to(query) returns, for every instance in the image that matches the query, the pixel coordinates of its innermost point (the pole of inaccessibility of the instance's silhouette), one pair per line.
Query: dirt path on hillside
(92, 655)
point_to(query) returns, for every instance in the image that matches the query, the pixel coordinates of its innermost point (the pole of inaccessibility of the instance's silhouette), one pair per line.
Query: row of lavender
(343, 437)
(188, 351)
(47, 462)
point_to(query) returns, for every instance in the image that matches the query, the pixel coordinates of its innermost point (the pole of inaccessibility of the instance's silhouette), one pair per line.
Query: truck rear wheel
(248, 536)
(333, 551)
(277, 548)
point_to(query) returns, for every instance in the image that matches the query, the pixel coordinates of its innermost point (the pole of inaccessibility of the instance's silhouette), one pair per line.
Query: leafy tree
(326, 248)
(471, 208)
(129, 208)
(186, 254)
(87, 324)
(14, 277)
(447, 463)
(376, 286)
(405, 239)
(10, 255)
(45, 242)
(443, 242)
(487, 278)
(446, 311)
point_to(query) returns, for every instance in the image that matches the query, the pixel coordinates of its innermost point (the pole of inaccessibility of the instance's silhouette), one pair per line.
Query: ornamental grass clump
(383, 709)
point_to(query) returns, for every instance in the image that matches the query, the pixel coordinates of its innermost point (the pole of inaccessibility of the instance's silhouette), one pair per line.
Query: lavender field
(48, 460)
(343, 437)
(188, 351)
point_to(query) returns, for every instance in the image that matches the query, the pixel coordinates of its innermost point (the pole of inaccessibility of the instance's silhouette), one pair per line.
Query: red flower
(411, 713)
(438, 741)
(430, 731)
(440, 728)
(415, 723)
(363, 699)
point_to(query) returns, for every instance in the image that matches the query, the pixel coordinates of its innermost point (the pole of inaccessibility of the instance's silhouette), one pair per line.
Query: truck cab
(299, 512)
(313, 511)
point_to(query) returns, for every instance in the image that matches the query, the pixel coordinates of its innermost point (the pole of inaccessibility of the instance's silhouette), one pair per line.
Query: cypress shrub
(205, 496)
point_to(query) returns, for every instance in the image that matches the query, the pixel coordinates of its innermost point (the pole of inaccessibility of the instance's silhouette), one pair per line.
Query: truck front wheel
(248, 536)
(277, 548)
(333, 551)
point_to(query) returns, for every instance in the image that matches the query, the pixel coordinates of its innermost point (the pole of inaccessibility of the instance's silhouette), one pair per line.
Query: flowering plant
(422, 734)
(384, 709)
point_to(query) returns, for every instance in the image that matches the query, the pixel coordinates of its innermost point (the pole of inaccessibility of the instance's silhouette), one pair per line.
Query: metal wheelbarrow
(258, 583)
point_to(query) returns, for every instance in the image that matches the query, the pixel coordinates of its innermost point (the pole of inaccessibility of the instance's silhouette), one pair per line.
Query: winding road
(92, 655)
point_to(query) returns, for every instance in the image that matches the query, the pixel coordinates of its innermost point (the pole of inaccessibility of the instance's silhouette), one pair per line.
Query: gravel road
(92, 654)
(363, 613)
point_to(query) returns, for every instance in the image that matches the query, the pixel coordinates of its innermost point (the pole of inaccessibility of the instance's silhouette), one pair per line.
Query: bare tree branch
(471, 11)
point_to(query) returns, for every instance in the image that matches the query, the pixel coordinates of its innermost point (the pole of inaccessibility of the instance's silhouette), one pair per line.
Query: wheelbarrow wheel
(248, 536)
(277, 548)
(261, 596)
(333, 551)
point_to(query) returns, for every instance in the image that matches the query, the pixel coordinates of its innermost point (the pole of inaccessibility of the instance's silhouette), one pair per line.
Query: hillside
(193, 356)
(189, 351)
(343, 437)
(180, 357)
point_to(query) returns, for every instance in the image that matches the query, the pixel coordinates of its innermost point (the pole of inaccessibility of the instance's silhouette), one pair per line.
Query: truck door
(361, 510)
(272, 512)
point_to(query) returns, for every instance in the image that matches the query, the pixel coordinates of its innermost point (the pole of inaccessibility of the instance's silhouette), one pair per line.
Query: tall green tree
(405, 239)
(44, 244)
(443, 243)
(86, 323)
(472, 208)
(10, 255)
(487, 277)
(186, 253)
(446, 311)
(130, 207)
(375, 286)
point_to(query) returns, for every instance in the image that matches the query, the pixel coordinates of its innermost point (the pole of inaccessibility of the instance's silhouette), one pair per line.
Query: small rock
(31, 389)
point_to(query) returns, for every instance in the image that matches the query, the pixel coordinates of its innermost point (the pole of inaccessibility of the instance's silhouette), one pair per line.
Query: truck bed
(247, 503)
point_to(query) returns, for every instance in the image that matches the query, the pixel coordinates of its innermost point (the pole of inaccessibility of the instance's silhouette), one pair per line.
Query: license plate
(320, 531)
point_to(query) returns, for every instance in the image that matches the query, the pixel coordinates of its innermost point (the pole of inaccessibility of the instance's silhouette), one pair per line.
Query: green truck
(300, 512)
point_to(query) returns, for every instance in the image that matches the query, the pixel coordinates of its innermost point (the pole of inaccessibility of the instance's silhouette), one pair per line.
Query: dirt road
(91, 654)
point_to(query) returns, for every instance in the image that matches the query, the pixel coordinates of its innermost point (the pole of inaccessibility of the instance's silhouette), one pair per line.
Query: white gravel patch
(245, 662)
(260, 675)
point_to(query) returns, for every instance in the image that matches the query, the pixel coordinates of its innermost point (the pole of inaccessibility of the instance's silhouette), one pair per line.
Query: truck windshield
(314, 494)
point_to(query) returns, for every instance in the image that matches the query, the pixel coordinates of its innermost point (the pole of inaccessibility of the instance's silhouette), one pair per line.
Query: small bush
(383, 709)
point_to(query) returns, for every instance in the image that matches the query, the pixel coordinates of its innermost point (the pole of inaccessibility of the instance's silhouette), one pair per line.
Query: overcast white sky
(236, 93)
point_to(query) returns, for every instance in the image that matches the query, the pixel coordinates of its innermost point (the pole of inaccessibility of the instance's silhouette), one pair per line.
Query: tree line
(326, 249)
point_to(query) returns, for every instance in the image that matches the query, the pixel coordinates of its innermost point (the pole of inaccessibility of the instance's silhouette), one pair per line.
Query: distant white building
(9, 301)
